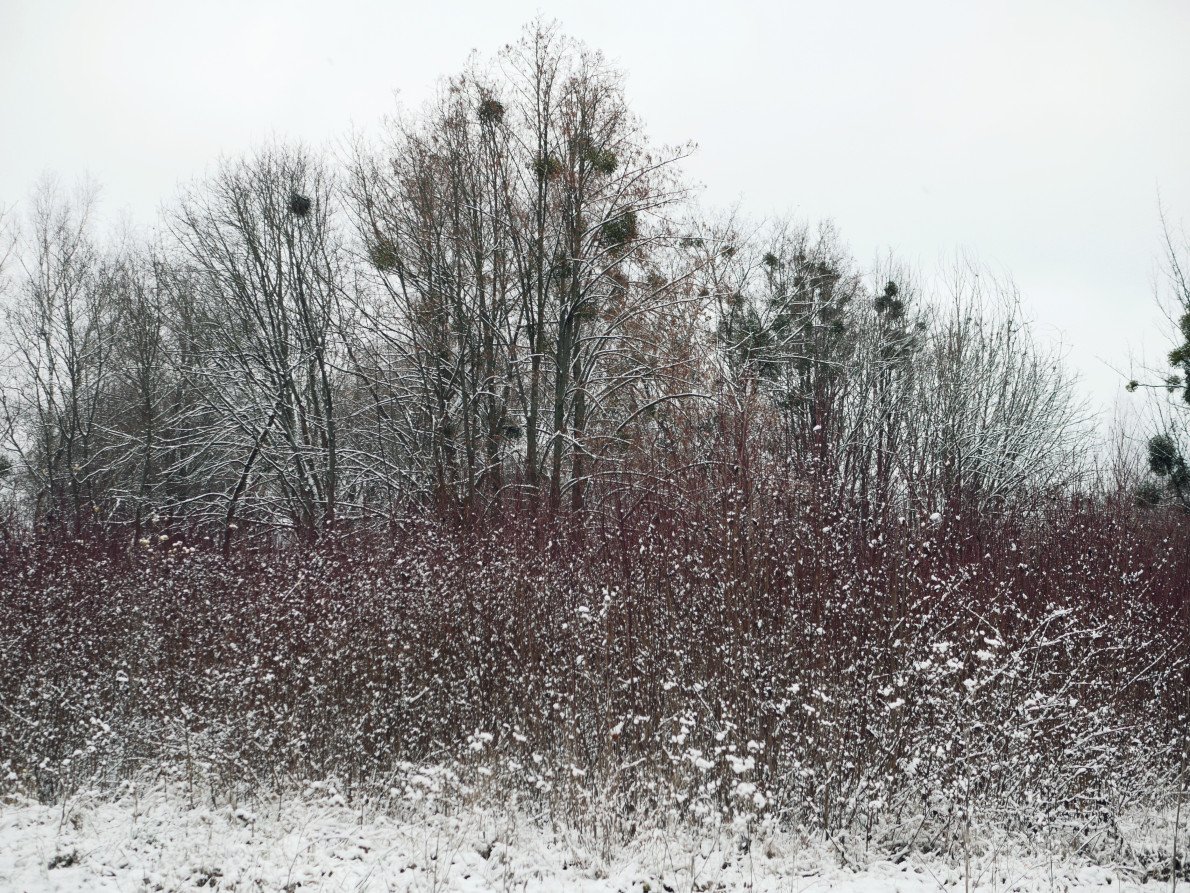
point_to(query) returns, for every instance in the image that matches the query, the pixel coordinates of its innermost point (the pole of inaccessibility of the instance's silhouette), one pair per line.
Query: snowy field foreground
(158, 842)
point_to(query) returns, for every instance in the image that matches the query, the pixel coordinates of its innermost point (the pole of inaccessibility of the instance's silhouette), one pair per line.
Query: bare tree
(1167, 449)
(60, 320)
(997, 414)
(518, 228)
(261, 240)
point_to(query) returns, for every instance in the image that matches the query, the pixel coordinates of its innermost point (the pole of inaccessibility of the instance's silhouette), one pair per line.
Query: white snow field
(160, 842)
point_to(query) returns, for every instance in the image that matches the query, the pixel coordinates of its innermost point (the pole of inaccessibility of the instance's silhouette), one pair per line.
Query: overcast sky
(1040, 136)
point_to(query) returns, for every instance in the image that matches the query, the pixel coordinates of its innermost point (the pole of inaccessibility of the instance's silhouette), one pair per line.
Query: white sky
(1038, 135)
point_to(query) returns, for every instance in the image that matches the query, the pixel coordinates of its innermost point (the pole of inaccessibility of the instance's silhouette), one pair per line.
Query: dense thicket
(708, 652)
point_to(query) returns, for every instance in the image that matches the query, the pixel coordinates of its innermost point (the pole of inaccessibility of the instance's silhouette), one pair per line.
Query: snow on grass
(158, 841)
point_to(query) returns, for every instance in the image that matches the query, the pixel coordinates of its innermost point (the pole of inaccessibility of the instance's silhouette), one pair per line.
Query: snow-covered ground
(155, 841)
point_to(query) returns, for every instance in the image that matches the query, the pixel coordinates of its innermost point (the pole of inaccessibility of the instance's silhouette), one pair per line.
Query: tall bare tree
(261, 240)
(59, 320)
(519, 230)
